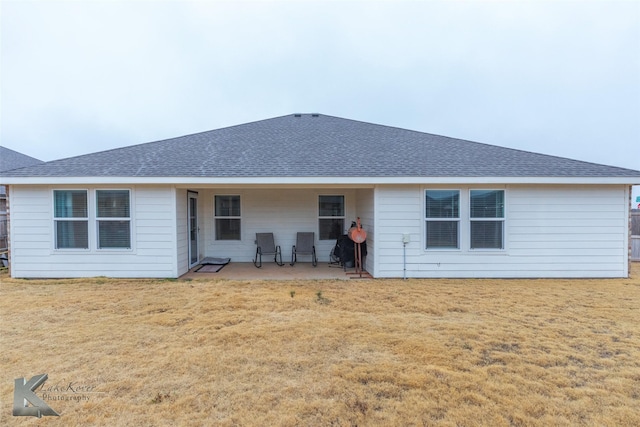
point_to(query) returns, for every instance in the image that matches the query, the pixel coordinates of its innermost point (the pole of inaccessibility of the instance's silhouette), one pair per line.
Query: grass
(319, 353)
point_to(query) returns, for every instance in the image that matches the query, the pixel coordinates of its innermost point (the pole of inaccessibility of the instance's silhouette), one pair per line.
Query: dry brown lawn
(320, 353)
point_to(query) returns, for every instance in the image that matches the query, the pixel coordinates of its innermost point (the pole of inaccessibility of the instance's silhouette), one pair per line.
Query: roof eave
(342, 181)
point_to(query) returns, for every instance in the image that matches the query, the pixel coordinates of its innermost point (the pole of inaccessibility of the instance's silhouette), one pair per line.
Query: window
(113, 219)
(487, 219)
(442, 219)
(71, 219)
(330, 217)
(227, 217)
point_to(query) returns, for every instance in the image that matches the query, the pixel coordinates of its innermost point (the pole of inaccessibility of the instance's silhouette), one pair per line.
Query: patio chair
(305, 245)
(266, 246)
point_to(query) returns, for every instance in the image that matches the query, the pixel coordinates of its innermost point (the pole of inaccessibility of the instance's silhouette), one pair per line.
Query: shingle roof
(10, 159)
(315, 145)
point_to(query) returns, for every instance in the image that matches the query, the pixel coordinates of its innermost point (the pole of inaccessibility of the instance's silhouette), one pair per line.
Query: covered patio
(224, 222)
(271, 271)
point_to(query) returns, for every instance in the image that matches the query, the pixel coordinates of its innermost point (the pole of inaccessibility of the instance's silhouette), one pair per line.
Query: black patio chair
(305, 245)
(266, 246)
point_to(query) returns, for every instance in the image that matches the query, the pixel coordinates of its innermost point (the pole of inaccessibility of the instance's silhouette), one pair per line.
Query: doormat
(210, 268)
(212, 265)
(213, 260)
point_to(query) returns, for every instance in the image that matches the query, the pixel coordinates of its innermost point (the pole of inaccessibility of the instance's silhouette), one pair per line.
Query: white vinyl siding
(182, 231)
(583, 230)
(153, 239)
(549, 231)
(365, 209)
(282, 212)
(399, 211)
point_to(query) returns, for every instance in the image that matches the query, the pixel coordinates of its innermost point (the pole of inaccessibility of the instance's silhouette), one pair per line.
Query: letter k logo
(24, 392)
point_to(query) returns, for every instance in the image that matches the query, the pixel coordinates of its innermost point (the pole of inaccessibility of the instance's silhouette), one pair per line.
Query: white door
(193, 229)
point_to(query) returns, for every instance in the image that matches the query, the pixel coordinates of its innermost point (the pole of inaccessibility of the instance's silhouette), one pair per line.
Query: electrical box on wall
(406, 238)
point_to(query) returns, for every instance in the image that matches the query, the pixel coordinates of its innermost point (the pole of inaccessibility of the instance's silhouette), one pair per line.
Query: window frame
(342, 217)
(57, 219)
(217, 217)
(502, 220)
(92, 220)
(99, 219)
(457, 220)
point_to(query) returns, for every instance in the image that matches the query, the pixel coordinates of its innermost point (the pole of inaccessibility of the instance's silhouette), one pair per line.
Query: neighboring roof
(10, 159)
(316, 146)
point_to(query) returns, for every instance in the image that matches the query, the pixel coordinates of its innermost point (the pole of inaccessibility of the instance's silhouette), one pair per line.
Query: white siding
(153, 217)
(398, 212)
(283, 212)
(550, 231)
(182, 231)
(365, 209)
(569, 231)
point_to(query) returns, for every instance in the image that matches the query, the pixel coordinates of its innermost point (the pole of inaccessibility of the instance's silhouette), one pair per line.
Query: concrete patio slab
(271, 271)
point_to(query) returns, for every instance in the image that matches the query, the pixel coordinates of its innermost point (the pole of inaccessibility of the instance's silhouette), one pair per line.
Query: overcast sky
(555, 77)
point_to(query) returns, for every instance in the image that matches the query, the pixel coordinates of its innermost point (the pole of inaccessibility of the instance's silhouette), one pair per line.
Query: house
(9, 159)
(432, 206)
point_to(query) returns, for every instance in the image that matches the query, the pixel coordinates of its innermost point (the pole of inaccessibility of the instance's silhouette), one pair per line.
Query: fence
(3, 219)
(635, 235)
(3, 233)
